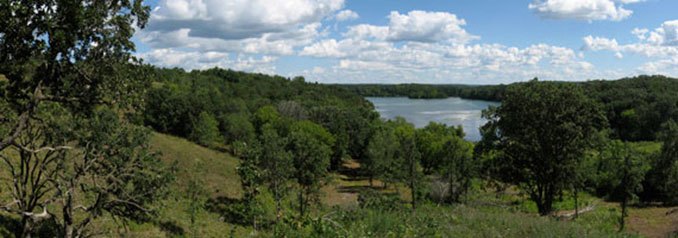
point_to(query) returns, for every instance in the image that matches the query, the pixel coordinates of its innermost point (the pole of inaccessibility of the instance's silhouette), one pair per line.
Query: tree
(250, 181)
(628, 176)
(457, 166)
(74, 53)
(408, 158)
(543, 129)
(310, 146)
(662, 179)
(275, 165)
(205, 129)
(237, 127)
(381, 152)
(70, 75)
(431, 144)
(111, 173)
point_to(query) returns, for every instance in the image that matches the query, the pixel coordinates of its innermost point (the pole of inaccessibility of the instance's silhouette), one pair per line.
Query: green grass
(215, 170)
(484, 216)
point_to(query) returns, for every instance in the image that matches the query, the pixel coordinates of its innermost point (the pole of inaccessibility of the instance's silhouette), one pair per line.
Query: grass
(511, 215)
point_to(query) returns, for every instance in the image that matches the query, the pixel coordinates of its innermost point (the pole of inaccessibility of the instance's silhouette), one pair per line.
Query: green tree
(544, 130)
(250, 182)
(237, 127)
(64, 63)
(205, 130)
(457, 166)
(662, 179)
(310, 145)
(381, 152)
(627, 178)
(409, 170)
(275, 165)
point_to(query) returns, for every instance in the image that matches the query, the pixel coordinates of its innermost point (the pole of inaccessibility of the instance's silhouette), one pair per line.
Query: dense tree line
(219, 106)
(429, 91)
(634, 107)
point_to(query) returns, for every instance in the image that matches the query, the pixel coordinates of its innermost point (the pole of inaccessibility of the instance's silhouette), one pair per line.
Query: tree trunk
(576, 203)
(544, 200)
(301, 204)
(277, 216)
(413, 193)
(623, 215)
(27, 227)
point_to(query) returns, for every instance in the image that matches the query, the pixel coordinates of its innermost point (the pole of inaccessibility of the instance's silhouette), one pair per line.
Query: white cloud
(659, 43)
(268, 27)
(239, 19)
(619, 55)
(204, 60)
(419, 26)
(318, 70)
(427, 27)
(346, 15)
(586, 10)
(659, 67)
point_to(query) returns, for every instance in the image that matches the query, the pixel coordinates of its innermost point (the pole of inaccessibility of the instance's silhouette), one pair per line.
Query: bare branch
(46, 148)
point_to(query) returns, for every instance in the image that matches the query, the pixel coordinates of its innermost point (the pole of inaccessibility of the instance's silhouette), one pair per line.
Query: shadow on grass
(358, 188)
(170, 228)
(231, 210)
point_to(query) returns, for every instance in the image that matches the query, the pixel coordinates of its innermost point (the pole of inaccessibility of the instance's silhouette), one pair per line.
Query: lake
(451, 111)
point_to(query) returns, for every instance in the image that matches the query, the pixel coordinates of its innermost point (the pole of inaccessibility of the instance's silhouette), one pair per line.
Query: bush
(205, 130)
(373, 199)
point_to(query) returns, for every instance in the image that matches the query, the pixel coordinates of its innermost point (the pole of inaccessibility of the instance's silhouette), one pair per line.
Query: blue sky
(424, 41)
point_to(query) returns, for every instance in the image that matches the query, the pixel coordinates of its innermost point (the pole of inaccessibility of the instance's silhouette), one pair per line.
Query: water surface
(451, 111)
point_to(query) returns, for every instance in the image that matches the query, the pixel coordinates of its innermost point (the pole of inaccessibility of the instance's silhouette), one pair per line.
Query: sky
(422, 41)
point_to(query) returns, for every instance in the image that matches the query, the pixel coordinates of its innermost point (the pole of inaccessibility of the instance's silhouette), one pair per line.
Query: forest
(96, 143)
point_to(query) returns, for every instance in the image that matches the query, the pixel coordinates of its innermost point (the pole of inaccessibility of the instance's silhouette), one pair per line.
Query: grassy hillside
(507, 216)
(214, 170)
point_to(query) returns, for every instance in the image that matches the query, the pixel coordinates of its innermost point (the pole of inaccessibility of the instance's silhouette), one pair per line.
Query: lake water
(451, 111)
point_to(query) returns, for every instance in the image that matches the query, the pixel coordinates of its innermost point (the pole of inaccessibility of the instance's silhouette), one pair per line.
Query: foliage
(238, 100)
(662, 179)
(381, 151)
(70, 81)
(407, 159)
(205, 130)
(237, 127)
(309, 144)
(543, 129)
(274, 163)
(627, 179)
(429, 91)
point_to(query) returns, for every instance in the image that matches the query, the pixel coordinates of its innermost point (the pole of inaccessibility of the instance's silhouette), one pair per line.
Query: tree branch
(46, 148)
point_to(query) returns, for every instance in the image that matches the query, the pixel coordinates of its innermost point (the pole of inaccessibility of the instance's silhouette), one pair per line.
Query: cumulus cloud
(419, 26)
(658, 67)
(238, 19)
(346, 15)
(267, 27)
(586, 10)
(204, 60)
(661, 42)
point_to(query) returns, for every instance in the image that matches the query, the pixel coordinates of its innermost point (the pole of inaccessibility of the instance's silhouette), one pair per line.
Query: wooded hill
(79, 157)
(634, 107)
